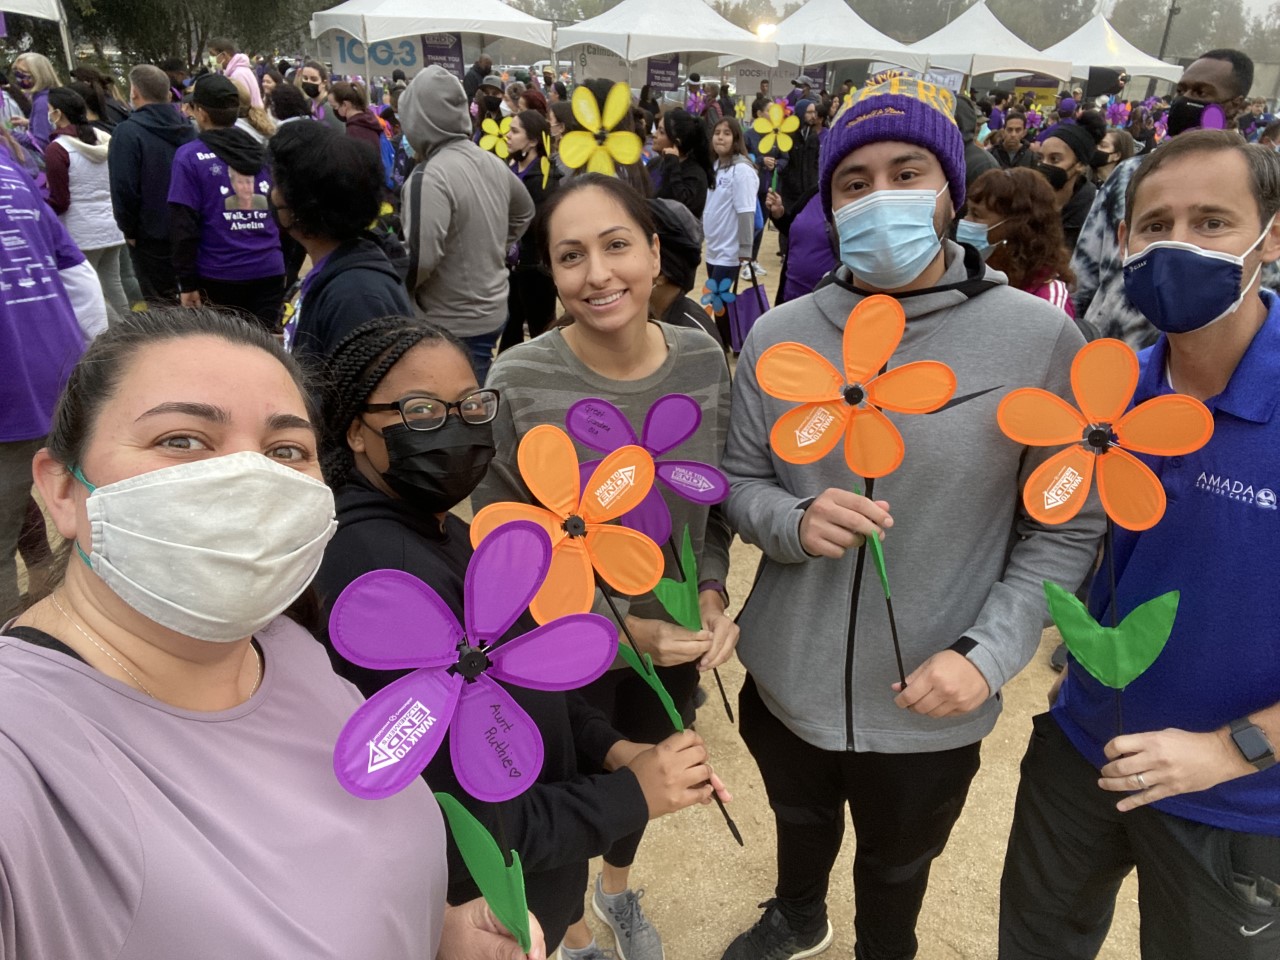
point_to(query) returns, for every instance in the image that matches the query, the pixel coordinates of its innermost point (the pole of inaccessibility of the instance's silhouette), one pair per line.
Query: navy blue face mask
(1180, 287)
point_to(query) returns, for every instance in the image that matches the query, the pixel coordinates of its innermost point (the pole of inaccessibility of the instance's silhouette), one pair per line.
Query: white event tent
(373, 20)
(956, 47)
(637, 29)
(1097, 44)
(825, 30)
(43, 10)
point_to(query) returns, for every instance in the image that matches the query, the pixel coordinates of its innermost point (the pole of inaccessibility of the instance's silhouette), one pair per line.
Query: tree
(747, 14)
(1201, 25)
(1042, 25)
(909, 20)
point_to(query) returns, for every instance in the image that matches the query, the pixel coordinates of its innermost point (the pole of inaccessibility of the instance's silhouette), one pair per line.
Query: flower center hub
(601, 136)
(575, 527)
(1097, 437)
(854, 394)
(471, 662)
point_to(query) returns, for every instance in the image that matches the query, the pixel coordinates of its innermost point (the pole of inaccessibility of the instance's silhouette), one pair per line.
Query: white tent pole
(65, 33)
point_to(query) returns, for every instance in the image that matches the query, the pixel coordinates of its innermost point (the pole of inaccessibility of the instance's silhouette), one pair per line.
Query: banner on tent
(350, 57)
(664, 72)
(747, 75)
(591, 61)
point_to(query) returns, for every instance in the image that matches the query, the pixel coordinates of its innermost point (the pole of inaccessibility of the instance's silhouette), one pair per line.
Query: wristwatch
(1252, 743)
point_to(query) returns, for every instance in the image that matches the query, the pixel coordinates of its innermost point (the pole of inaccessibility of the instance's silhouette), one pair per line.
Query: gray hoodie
(963, 558)
(462, 209)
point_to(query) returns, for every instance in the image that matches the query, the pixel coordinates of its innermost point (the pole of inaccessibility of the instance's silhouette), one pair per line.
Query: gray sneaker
(593, 952)
(635, 937)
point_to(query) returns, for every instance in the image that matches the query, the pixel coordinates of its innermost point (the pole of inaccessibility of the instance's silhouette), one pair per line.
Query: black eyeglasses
(420, 412)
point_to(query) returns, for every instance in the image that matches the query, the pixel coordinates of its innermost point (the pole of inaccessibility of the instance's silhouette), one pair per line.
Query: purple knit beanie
(898, 108)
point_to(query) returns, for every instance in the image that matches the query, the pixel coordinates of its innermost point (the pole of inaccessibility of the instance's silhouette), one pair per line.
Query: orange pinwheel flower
(583, 542)
(1104, 376)
(849, 403)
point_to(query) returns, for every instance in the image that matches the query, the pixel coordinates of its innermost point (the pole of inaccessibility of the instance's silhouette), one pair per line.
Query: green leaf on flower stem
(877, 554)
(680, 598)
(501, 885)
(644, 667)
(1114, 656)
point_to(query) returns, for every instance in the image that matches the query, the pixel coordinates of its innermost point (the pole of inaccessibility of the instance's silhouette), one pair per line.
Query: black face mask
(1187, 114)
(435, 470)
(1056, 176)
(312, 90)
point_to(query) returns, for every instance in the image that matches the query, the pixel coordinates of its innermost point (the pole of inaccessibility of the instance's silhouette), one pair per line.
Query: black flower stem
(503, 842)
(1110, 550)
(715, 671)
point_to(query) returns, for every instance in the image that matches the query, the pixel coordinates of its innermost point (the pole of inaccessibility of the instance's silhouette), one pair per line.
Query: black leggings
(532, 300)
(903, 807)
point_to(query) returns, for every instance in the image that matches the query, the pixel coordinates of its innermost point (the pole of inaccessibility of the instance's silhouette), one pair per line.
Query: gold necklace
(112, 658)
(257, 681)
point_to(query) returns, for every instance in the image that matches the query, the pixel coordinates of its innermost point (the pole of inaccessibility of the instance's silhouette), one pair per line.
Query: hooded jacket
(570, 814)
(364, 126)
(462, 210)
(80, 188)
(964, 559)
(239, 70)
(140, 161)
(329, 310)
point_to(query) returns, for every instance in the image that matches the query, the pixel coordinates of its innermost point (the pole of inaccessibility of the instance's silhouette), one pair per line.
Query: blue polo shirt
(1219, 544)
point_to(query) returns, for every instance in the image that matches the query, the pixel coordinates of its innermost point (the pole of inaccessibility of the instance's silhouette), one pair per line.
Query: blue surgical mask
(1180, 287)
(888, 238)
(975, 234)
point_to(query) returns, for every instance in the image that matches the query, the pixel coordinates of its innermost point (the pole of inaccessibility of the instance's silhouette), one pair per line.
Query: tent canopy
(1097, 44)
(43, 9)
(955, 46)
(372, 20)
(636, 29)
(825, 30)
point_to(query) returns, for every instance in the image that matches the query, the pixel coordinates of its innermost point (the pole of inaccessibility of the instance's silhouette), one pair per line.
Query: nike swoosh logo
(1253, 933)
(956, 401)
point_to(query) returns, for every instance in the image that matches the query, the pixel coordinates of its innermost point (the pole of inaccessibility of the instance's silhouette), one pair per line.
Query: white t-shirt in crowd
(735, 193)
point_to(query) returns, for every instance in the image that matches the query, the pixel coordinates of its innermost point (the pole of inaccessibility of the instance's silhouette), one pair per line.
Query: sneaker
(592, 952)
(744, 274)
(1058, 659)
(635, 937)
(773, 939)
(760, 271)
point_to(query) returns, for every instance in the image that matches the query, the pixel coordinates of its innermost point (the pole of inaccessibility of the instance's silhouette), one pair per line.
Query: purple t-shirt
(135, 830)
(238, 237)
(809, 256)
(40, 338)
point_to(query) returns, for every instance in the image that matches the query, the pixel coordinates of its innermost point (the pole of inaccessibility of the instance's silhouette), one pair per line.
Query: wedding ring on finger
(1142, 784)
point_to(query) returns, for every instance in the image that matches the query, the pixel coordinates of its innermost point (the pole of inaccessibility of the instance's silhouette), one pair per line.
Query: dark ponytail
(355, 368)
(72, 106)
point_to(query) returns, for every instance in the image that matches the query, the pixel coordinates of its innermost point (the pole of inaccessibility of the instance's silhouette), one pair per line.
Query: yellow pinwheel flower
(776, 126)
(595, 146)
(546, 159)
(495, 136)
(740, 110)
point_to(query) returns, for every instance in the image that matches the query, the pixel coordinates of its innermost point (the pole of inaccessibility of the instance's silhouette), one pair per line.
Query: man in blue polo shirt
(1190, 793)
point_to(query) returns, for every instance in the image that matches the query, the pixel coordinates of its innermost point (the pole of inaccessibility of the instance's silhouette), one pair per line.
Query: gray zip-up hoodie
(462, 210)
(963, 558)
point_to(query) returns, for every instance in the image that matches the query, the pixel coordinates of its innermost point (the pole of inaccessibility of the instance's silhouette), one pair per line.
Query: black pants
(532, 301)
(635, 712)
(153, 266)
(1204, 893)
(903, 807)
(258, 300)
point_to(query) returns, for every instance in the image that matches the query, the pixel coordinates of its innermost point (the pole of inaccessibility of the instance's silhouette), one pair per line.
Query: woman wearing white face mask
(165, 732)
(1012, 222)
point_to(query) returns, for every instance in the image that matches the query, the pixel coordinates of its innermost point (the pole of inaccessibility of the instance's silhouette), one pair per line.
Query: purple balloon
(390, 619)
(672, 420)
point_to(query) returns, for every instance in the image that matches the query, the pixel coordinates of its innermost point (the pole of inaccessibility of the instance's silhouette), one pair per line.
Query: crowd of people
(267, 328)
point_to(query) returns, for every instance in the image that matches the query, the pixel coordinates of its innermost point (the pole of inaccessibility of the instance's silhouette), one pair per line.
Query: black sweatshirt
(574, 811)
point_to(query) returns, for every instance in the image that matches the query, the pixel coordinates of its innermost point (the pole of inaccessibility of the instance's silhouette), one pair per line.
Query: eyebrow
(1200, 209)
(602, 233)
(914, 156)
(218, 415)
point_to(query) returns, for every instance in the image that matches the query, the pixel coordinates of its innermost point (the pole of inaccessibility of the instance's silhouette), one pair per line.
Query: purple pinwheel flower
(672, 420)
(1118, 113)
(391, 620)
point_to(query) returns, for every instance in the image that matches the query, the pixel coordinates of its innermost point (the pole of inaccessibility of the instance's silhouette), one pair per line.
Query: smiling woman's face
(601, 260)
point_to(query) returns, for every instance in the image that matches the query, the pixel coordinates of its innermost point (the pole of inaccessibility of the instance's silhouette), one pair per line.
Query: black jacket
(140, 162)
(369, 288)
(573, 812)
(801, 172)
(1076, 210)
(1022, 158)
(683, 180)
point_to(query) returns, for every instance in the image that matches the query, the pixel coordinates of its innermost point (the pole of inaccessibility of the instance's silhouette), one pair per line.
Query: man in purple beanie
(822, 710)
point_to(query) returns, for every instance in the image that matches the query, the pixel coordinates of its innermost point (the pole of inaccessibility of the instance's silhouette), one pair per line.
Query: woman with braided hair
(407, 436)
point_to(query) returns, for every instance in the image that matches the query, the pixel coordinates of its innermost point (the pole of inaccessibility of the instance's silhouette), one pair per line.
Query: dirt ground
(701, 889)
